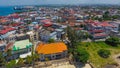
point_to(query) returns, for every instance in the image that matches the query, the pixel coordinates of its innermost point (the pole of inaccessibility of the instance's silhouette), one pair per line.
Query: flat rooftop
(22, 44)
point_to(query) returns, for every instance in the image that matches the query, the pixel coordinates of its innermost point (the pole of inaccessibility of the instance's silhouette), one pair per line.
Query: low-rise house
(52, 50)
(30, 27)
(53, 35)
(21, 37)
(46, 22)
(114, 33)
(107, 27)
(45, 35)
(33, 35)
(60, 33)
(18, 48)
(22, 46)
(3, 21)
(27, 20)
(11, 38)
(97, 30)
(34, 23)
(6, 32)
(2, 45)
(3, 34)
(16, 25)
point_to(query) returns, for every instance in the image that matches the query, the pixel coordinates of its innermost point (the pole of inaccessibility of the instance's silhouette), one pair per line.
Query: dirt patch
(117, 60)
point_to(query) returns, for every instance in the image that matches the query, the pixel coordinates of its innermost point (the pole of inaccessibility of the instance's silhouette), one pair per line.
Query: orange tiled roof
(3, 20)
(51, 48)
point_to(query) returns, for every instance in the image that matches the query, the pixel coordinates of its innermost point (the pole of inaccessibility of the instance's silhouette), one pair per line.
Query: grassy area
(95, 59)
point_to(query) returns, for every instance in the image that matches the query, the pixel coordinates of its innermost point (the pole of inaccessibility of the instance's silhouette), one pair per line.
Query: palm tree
(9, 53)
(32, 40)
(11, 64)
(28, 60)
(20, 62)
(35, 57)
(2, 59)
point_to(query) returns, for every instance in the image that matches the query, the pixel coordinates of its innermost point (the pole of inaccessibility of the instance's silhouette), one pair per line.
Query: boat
(18, 8)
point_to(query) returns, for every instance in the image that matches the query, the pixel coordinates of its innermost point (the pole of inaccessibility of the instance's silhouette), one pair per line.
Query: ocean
(6, 10)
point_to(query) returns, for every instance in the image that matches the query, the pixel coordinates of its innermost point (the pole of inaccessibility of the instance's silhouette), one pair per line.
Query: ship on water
(24, 8)
(18, 8)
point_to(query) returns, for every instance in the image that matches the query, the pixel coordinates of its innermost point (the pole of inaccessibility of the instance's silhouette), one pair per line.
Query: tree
(73, 37)
(87, 35)
(20, 62)
(28, 60)
(113, 41)
(51, 40)
(28, 22)
(9, 53)
(35, 57)
(11, 64)
(104, 53)
(106, 16)
(58, 20)
(2, 59)
(82, 55)
(115, 16)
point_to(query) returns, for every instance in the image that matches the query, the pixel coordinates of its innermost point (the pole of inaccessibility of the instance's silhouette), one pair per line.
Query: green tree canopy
(106, 16)
(82, 55)
(51, 40)
(2, 59)
(20, 61)
(28, 60)
(11, 64)
(36, 57)
(113, 41)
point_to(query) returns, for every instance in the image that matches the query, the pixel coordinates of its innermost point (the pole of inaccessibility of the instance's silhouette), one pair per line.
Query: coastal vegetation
(100, 46)
(106, 16)
(21, 61)
(104, 53)
(113, 41)
(81, 55)
(11, 64)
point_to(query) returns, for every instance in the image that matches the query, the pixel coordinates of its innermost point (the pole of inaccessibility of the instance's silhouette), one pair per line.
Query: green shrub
(28, 60)
(20, 61)
(104, 53)
(11, 64)
(51, 40)
(113, 41)
(82, 55)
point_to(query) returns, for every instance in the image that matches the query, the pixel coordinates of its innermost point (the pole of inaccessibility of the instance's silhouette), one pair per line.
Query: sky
(45, 2)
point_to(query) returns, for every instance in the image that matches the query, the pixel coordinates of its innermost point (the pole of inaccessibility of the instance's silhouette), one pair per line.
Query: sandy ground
(115, 57)
(72, 66)
(67, 65)
(61, 64)
(87, 66)
(64, 66)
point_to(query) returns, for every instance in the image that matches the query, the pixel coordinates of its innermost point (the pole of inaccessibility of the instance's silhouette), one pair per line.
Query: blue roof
(34, 22)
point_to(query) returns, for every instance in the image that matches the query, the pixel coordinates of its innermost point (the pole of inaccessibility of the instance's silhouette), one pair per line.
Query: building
(52, 50)
(22, 46)
(2, 45)
(45, 35)
(6, 32)
(97, 30)
(19, 48)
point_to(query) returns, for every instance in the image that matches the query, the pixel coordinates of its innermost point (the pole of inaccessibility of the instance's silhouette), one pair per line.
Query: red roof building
(3, 32)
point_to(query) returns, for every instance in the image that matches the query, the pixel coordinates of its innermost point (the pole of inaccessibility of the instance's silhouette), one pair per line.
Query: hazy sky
(39, 2)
